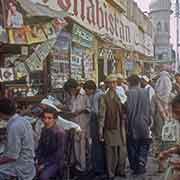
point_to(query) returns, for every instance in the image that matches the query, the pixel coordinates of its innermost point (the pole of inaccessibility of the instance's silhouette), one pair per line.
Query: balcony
(120, 4)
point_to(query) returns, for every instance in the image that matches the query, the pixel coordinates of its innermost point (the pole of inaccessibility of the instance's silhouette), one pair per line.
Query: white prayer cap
(50, 103)
(102, 83)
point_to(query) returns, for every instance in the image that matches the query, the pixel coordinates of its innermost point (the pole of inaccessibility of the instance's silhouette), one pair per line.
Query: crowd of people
(120, 120)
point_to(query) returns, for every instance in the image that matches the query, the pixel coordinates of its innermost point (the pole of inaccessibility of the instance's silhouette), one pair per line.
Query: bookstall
(27, 36)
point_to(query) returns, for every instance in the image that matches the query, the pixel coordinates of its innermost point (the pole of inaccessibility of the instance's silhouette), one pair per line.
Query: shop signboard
(81, 36)
(101, 17)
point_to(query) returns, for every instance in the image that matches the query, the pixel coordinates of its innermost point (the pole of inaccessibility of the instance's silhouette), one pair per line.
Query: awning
(155, 61)
(39, 10)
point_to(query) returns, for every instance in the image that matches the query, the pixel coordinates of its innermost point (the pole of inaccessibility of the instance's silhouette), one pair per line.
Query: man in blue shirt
(18, 158)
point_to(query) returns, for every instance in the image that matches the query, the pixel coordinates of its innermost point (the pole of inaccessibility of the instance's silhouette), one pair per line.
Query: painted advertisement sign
(81, 36)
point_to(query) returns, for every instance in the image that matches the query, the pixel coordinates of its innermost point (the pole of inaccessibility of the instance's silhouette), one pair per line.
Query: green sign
(82, 37)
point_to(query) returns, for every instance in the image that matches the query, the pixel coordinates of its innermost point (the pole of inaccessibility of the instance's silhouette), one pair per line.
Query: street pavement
(150, 175)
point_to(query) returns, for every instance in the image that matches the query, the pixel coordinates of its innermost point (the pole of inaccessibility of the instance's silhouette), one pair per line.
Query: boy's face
(48, 120)
(176, 112)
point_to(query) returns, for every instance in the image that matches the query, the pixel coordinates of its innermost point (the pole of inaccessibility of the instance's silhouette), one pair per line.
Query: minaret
(160, 12)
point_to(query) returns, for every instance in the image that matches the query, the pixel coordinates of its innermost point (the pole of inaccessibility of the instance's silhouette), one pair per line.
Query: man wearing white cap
(146, 85)
(112, 129)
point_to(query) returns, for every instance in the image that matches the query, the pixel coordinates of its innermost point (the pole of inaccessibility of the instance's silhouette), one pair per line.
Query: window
(166, 27)
(159, 27)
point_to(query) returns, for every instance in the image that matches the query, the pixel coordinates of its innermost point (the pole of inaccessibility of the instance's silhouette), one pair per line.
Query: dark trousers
(138, 154)
(97, 148)
(49, 172)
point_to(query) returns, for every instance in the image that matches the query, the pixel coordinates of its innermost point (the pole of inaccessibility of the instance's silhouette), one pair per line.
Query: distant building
(160, 12)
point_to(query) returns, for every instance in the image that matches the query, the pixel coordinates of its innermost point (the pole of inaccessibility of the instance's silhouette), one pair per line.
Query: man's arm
(61, 148)
(102, 113)
(169, 152)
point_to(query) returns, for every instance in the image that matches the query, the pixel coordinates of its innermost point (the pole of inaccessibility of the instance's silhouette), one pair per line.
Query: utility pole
(177, 13)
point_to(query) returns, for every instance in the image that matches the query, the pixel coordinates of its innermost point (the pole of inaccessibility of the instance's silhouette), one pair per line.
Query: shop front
(72, 56)
(25, 49)
(82, 55)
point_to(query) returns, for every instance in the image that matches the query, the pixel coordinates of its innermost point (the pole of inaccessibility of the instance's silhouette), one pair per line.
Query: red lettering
(111, 21)
(127, 31)
(99, 12)
(116, 25)
(121, 31)
(106, 21)
(64, 4)
(91, 13)
(75, 9)
(83, 9)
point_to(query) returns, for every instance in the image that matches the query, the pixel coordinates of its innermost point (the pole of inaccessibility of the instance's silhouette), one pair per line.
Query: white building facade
(160, 12)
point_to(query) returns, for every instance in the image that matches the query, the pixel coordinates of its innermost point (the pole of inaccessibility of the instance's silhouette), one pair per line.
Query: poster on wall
(20, 70)
(3, 35)
(60, 67)
(59, 73)
(88, 65)
(35, 34)
(17, 36)
(35, 61)
(7, 74)
(77, 62)
(14, 15)
(76, 67)
(49, 30)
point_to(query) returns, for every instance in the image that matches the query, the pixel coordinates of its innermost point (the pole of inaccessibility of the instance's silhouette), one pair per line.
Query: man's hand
(101, 134)
(40, 168)
(175, 164)
(164, 155)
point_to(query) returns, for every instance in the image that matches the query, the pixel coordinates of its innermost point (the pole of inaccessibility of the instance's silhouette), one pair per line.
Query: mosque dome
(159, 5)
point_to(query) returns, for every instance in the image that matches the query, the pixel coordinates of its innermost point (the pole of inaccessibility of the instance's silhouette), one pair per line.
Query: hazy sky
(144, 5)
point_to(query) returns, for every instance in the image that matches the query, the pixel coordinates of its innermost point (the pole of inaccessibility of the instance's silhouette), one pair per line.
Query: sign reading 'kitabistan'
(101, 17)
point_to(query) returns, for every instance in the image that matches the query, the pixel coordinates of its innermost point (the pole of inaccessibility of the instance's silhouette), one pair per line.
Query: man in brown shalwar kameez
(113, 126)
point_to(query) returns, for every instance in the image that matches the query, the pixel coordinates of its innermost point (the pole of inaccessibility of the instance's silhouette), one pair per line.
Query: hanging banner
(35, 61)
